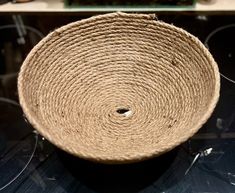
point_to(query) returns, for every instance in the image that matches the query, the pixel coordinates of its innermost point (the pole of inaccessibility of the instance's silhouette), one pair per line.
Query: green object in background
(128, 4)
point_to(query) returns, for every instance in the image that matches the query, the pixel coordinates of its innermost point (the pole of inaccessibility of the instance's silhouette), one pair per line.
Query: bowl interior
(118, 87)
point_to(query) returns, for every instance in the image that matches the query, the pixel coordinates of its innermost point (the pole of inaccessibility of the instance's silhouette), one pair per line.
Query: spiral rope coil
(118, 88)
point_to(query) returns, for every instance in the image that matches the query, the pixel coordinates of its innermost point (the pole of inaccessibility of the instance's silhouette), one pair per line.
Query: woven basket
(118, 87)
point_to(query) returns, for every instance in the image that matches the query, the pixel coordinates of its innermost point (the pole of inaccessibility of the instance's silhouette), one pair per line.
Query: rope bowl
(118, 88)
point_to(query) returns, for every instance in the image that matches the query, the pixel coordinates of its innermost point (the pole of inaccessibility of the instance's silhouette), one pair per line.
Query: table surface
(58, 6)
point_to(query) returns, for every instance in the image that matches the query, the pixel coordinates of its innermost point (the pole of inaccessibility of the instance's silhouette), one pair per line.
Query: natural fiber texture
(118, 87)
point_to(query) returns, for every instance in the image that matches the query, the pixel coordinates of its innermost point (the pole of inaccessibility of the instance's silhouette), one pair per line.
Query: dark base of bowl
(118, 178)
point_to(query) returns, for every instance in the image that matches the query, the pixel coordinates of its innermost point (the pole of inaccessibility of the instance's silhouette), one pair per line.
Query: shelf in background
(53, 6)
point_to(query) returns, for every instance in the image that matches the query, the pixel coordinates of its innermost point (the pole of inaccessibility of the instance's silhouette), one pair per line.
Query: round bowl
(118, 88)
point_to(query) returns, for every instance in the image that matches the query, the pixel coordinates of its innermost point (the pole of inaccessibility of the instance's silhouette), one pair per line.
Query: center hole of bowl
(124, 111)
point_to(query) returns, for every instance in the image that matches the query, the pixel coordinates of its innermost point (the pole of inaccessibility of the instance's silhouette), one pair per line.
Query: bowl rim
(41, 128)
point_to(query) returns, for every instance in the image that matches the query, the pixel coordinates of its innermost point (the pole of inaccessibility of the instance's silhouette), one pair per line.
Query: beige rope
(118, 87)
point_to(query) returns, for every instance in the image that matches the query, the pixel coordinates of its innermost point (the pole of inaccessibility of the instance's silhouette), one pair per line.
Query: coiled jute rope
(118, 87)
